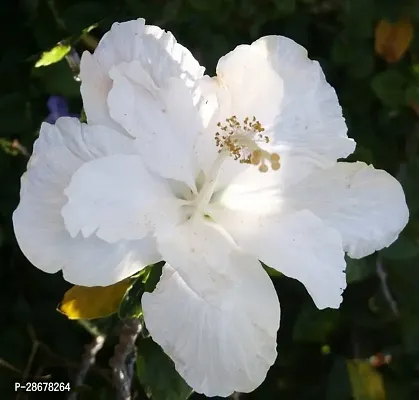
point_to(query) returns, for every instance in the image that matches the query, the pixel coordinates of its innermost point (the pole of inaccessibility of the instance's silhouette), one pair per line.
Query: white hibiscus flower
(210, 175)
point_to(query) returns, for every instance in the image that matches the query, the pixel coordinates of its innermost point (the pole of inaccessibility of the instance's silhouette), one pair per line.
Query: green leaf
(363, 63)
(58, 79)
(342, 50)
(389, 88)
(412, 95)
(390, 10)
(82, 15)
(83, 117)
(157, 373)
(285, 6)
(357, 55)
(201, 5)
(362, 153)
(339, 386)
(403, 281)
(359, 18)
(130, 306)
(411, 187)
(53, 56)
(271, 271)
(358, 270)
(315, 325)
(15, 114)
(402, 249)
(145, 281)
(153, 276)
(410, 332)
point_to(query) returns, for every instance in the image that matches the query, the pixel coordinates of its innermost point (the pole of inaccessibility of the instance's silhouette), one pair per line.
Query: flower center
(242, 142)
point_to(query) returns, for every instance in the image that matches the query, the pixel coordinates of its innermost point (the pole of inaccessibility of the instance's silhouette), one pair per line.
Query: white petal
(367, 206)
(310, 114)
(156, 50)
(164, 121)
(39, 227)
(94, 89)
(214, 312)
(254, 87)
(250, 192)
(297, 244)
(117, 198)
(290, 96)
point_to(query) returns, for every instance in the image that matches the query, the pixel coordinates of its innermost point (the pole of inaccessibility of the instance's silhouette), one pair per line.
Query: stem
(88, 360)
(121, 362)
(384, 287)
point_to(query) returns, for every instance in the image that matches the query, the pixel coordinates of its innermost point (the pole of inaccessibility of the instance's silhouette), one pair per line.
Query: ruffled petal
(290, 97)
(156, 50)
(297, 244)
(367, 206)
(39, 227)
(214, 312)
(117, 198)
(164, 121)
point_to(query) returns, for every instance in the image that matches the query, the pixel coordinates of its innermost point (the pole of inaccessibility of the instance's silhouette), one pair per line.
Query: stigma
(242, 141)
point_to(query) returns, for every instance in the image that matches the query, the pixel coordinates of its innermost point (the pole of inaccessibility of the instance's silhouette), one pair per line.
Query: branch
(384, 287)
(88, 360)
(122, 362)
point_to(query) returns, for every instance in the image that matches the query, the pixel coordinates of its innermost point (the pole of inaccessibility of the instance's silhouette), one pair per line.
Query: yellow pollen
(275, 166)
(241, 140)
(263, 168)
(274, 157)
(256, 157)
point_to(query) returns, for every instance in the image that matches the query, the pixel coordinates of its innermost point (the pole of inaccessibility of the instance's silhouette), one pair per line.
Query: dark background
(379, 316)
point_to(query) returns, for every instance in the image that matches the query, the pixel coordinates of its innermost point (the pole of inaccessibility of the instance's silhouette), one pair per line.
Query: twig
(63, 362)
(34, 350)
(123, 370)
(60, 22)
(89, 41)
(5, 364)
(384, 287)
(35, 346)
(88, 360)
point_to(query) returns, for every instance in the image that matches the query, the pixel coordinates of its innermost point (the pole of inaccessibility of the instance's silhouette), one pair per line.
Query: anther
(256, 157)
(263, 168)
(275, 158)
(242, 141)
(275, 166)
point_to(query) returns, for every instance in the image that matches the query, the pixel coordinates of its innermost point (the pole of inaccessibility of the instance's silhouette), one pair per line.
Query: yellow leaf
(393, 39)
(367, 383)
(82, 302)
(53, 56)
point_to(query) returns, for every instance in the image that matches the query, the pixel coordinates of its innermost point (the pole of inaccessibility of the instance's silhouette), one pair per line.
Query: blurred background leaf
(157, 374)
(369, 51)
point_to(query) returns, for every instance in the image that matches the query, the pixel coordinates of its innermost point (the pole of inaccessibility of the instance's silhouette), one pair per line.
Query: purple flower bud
(58, 107)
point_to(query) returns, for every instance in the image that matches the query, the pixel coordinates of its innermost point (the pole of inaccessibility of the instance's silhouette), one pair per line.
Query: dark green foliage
(146, 281)
(157, 374)
(130, 306)
(378, 102)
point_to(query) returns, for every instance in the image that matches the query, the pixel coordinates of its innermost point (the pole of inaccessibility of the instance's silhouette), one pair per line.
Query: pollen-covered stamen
(241, 141)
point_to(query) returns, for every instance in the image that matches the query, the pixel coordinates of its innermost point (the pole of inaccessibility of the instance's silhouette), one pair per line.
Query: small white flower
(210, 175)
